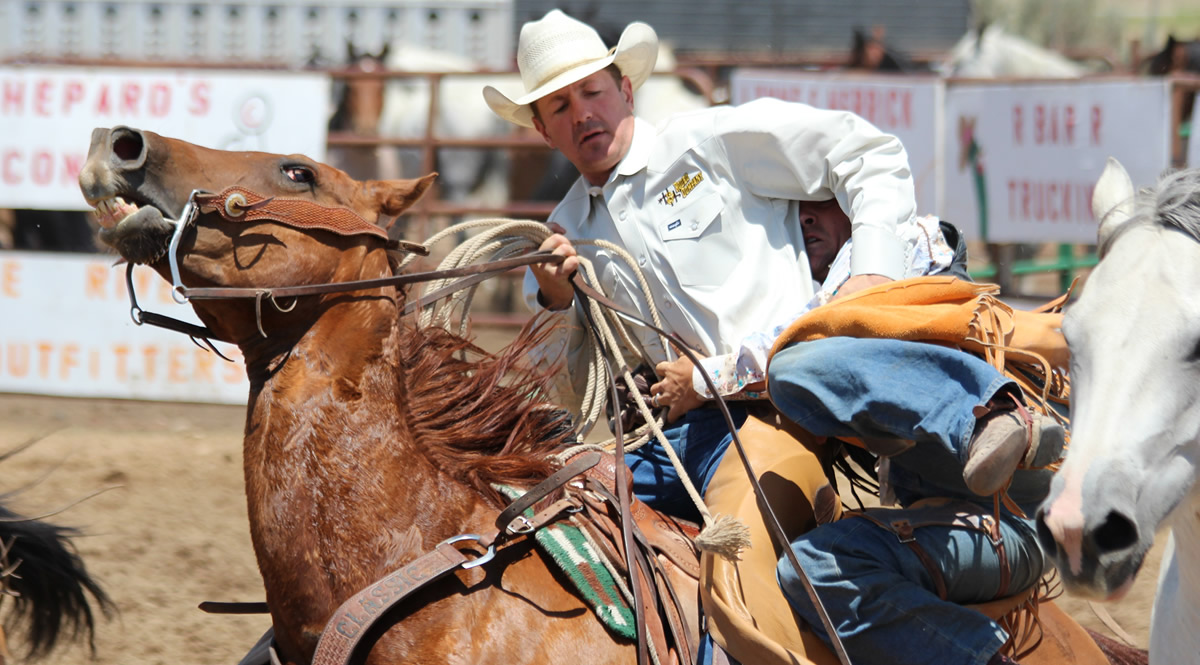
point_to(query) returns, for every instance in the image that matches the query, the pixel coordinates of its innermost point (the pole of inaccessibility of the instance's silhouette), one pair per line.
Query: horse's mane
(1174, 202)
(484, 418)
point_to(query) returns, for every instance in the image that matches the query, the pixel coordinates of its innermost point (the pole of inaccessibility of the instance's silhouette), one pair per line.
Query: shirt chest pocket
(701, 251)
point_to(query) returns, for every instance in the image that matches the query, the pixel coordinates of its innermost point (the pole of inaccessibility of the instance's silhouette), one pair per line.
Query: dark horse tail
(51, 594)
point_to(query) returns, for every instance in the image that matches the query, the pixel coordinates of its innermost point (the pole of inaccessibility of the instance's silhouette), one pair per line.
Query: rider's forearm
(555, 295)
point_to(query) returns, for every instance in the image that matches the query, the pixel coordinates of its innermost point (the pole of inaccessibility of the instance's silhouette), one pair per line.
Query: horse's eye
(300, 174)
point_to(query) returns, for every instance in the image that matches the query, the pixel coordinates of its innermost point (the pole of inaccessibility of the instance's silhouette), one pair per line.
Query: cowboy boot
(1008, 438)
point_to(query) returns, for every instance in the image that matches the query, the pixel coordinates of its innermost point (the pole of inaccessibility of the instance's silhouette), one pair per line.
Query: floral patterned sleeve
(732, 372)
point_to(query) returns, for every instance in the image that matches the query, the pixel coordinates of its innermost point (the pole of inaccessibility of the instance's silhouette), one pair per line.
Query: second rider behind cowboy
(707, 203)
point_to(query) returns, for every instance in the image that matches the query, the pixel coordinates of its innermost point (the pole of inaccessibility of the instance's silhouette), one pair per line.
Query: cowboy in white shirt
(710, 237)
(707, 203)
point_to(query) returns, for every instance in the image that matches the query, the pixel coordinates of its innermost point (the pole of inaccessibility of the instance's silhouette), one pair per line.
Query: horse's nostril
(1116, 533)
(127, 146)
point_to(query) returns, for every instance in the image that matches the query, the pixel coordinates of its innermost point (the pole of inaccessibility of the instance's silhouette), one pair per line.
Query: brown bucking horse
(369, 441)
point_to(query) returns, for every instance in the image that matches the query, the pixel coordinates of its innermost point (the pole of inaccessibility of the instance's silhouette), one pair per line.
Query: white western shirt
(705, 204)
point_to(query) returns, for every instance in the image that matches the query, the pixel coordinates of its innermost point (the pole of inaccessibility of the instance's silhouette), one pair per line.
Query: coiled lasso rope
(498, 238)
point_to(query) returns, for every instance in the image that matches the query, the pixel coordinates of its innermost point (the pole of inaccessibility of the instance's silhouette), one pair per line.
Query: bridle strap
(238, 204)
(141, 316)
(474, 274)
(583, 291)
(483, 269)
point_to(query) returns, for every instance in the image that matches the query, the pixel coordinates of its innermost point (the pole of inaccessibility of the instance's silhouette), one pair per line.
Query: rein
(238, 204)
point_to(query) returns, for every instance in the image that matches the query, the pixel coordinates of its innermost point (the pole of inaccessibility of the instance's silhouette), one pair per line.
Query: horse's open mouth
(136, 228)
(110, 212)
(114, 210)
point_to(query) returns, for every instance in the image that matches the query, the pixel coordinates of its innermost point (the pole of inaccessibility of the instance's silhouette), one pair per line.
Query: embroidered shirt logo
(680, 188)
(674, 225)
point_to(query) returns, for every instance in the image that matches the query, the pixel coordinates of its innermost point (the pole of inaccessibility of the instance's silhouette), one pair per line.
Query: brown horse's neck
(333, 480)
(371, 440)
(340, 333)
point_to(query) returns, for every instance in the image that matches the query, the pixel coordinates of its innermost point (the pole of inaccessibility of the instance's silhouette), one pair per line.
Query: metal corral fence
(432, 140)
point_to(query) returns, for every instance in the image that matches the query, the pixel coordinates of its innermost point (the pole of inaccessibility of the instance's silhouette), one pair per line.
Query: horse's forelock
(1177, 201)
(1174, 202)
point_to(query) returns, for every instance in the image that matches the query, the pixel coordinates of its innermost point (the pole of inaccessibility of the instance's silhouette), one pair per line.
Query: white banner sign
(906, 107)
(48, 114)
(67, 331)
(1022, 158)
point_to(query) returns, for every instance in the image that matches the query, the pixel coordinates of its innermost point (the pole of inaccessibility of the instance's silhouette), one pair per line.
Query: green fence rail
(1066, 265)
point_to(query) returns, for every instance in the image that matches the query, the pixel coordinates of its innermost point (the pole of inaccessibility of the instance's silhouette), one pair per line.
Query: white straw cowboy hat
(557, 50)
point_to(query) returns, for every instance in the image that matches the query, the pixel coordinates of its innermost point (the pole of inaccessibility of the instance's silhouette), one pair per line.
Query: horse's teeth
(110, 212)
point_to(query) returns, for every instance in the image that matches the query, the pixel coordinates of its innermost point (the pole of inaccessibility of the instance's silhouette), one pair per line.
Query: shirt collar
(636, 158)
(639, 148)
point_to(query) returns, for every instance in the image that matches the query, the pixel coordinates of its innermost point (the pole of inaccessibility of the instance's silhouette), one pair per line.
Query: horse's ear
(396, 196)
(1112, 200)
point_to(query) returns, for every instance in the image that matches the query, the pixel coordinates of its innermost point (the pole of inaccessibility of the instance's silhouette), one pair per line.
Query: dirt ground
(173, 531)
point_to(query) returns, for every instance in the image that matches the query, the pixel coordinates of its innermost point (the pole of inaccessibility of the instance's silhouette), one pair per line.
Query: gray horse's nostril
(1045, 537)
(128, 145)
(1116, 533)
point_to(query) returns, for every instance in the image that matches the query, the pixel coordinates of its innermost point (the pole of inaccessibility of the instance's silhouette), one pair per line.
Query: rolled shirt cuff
(877, 252)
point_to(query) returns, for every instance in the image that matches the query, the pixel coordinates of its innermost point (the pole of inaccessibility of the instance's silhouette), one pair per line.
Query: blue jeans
(880, 597)
(887, 388)
(700, 439)
(879, 594)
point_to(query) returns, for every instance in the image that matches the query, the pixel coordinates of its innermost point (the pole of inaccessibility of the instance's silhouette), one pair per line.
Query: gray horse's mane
(1174, 202)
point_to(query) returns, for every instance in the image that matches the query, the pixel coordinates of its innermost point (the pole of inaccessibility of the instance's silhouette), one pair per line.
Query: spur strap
(905, 532)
